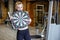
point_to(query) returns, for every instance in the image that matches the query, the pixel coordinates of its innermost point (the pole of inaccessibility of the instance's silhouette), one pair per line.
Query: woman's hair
(17, 3)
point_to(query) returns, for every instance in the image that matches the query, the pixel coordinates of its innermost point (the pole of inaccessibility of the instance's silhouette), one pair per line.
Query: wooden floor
(7, 33)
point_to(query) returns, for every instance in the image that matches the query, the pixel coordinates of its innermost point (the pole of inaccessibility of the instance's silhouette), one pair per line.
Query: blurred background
(38, 11)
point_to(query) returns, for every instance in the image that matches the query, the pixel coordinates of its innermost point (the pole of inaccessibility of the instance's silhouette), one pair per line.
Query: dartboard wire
(26, 17)
(15, 21)
(16, 26)
(15, 18)
(23, 14)
(23, 23)
(16, 15)
(20, 14)
(20, 24)
(20, 17)
(26, 22)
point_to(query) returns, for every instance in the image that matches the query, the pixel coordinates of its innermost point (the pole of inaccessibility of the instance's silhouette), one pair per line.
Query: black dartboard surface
(20, 19)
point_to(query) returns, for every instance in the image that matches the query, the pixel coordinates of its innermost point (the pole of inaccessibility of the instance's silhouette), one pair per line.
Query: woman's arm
(10, 16)
(30, 20)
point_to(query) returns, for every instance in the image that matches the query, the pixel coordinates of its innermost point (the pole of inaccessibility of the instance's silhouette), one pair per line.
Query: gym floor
(7, 33)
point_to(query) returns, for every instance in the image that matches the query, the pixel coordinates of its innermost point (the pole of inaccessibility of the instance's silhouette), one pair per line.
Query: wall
(59, 14)
(4, 12)
(29, 7)
(32, 9)
(54, 32)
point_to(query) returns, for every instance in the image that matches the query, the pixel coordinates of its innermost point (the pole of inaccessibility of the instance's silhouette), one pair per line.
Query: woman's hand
(11, 17)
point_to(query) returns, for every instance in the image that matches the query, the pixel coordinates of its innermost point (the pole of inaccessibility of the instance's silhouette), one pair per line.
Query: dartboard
(20, 19)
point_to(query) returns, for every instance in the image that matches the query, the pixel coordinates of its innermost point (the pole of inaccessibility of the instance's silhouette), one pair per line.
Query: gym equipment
(20, 19)
(53, 29)
(49, 17)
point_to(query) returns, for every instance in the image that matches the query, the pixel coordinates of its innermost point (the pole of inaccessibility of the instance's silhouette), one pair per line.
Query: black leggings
(23, 34)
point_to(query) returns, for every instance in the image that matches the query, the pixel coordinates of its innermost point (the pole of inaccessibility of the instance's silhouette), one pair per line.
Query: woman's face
(20, 7)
